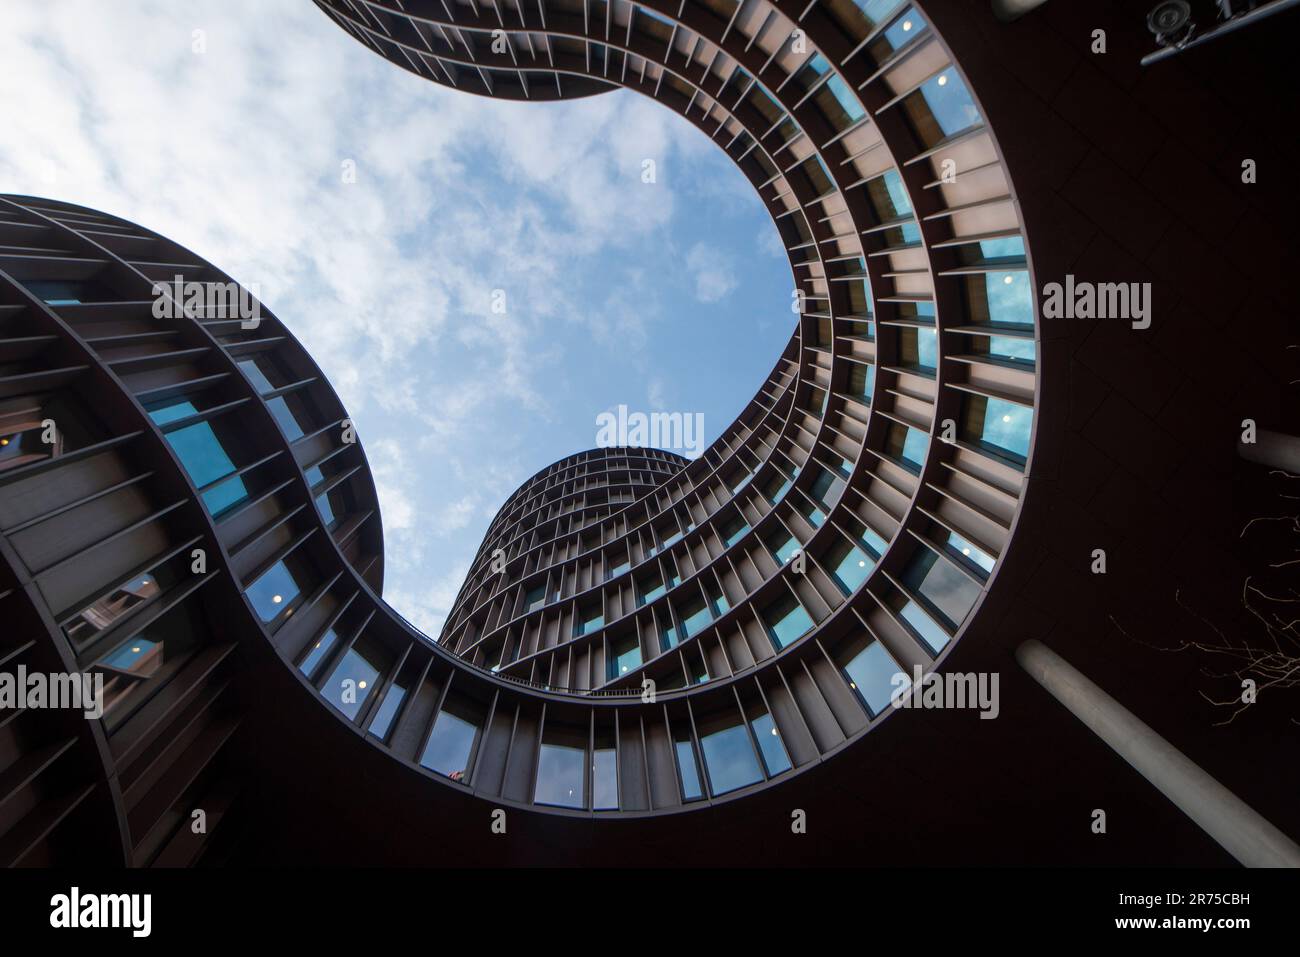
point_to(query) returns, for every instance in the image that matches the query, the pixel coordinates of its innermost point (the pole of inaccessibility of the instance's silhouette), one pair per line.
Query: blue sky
(669, 296)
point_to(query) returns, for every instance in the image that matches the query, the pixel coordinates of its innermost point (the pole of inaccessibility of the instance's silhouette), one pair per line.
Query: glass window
(770, 745)
(386, 713)
(135, 656)
(872, 543)
(449, 747)
(1003, 427)
(948, 593)
(776, 487)
(589, 619)
(354, 677)
(604, 774)
(624, 656)
(908, 446)
(809, 511)
(733, 530)
(535, 598)
(617, 564)
(786, 621)
(326, 510)
(284, 416)
(782, 545)
(272, 593)
(1000, 298)
(561, 777)
(116, 605)
(667, 633)
(1013, 348)
(1007, 247)
(322, 647)
(694, 615)
(204, 459)
(849, 566)
(975, 556)
(925, 626)
(255, 375)
(927, 348)
(68, 292)
(826, 488)
(889, 197)
(730, 760)
(940, 108)
(648, 589)
(871, 675)
(689, 771)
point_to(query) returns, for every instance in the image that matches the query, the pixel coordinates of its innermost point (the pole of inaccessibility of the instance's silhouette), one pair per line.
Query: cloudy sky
(233, 141)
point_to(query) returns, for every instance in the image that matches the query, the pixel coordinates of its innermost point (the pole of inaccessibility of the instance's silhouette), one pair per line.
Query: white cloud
(237, 154)
(713, 272)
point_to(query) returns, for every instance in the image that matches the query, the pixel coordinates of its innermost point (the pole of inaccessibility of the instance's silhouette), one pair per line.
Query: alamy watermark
(953, 689)
(74, 691)
(1098, 300)
(208, 300)
(75, 910)
(665, 430)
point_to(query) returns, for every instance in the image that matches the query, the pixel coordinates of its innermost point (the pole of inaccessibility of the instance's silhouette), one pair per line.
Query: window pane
(851, 568)
(387, 711)
(770, 745)
(733, 530)
(1007, 426)
(786, 621)
(255, 375)
(288, 422)
(625, 655)
(648, 589)
(969, 552)
(604, 771)
(319, 650)
(941, 107)
(326, 509)
(560, 778)
(949, 594)
(729, 758)
(782, 545)
(871, 674)
(694, 616)
(274, 591)
(1001, 297)
(690, 774)
(204, 458)
(449, 747)
(925, 626)
(589, 619)
(354, 678)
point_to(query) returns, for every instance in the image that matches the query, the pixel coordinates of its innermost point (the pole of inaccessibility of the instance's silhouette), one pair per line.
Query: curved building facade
(201, 497)
(186, 513)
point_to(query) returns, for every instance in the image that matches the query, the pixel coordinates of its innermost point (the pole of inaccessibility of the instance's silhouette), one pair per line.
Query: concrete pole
(1274, 449)
(1220, 813)
(1008, 10)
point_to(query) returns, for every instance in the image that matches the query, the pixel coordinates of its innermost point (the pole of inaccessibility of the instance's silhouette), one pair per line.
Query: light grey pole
(1008, 10)
(1220, 813)
(1275, 449)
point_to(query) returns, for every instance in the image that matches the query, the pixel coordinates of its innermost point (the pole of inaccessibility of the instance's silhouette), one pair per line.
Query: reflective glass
(730, 760)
